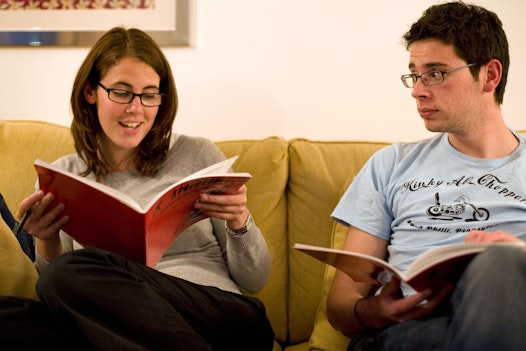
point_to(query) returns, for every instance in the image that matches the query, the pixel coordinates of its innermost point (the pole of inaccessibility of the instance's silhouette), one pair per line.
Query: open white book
(433, 269)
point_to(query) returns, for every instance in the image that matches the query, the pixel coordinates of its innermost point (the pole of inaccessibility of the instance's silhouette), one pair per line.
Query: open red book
(433, 269)
(100, 216)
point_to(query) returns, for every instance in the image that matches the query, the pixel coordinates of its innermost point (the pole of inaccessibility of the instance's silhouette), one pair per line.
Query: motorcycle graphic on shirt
(461, 206)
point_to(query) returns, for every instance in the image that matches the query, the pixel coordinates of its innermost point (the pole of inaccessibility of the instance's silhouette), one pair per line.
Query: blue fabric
(413, 335)
(25, 240)
(489, 308)
(417, 196)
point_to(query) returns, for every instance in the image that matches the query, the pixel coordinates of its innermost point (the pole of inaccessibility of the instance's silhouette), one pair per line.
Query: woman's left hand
(232, 207)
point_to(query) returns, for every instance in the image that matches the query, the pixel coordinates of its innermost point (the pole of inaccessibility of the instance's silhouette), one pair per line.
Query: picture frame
(170, 22)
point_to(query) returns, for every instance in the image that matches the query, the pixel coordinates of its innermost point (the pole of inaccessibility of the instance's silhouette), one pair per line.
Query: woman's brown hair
(114, 45)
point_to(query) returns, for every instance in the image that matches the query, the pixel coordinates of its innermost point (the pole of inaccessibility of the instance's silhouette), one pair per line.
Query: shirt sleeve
(364, 204)
(247, 256)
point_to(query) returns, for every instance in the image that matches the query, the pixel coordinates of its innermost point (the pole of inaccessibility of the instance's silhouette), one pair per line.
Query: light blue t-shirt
(427, 194)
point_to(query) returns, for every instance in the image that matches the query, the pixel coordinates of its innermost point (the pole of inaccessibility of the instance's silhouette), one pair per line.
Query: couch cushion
(267, 161)
(324, 336)
(318, 171)
(21, 142)
(17, 272)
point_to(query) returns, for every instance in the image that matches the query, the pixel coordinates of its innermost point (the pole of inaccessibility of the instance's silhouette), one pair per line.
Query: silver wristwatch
(245, 228)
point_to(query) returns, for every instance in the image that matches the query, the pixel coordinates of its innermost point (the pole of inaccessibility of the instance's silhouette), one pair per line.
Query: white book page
(105, 189)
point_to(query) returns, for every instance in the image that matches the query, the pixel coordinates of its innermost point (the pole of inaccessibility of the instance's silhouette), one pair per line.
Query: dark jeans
(101, 301)
(26, 325)
(488, 312)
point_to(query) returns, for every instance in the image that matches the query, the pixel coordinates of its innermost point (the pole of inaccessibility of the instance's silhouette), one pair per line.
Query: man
(458, 69)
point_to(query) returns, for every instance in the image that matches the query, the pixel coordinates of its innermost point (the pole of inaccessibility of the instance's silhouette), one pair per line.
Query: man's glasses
(121, 96)
(433, 77)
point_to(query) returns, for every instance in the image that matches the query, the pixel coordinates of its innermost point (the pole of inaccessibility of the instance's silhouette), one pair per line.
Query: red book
(433, 269)
(100, 216)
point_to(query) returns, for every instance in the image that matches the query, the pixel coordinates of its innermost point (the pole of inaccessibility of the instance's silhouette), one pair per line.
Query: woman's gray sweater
(204, 254)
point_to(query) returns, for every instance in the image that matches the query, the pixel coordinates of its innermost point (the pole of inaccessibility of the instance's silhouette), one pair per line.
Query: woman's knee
(63, 272)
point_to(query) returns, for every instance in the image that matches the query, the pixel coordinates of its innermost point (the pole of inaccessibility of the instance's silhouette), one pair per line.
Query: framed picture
(81, 22)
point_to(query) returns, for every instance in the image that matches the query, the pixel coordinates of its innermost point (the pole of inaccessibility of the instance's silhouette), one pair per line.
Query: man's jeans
(488, 311)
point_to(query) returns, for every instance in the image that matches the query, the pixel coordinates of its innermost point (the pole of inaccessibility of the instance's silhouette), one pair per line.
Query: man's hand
(478, 236)
(391, 307)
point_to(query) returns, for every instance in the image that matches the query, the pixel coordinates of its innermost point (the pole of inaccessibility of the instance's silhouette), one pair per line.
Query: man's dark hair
(475, 33)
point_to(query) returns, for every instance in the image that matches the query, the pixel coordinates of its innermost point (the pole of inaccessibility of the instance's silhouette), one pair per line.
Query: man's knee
(500, 258)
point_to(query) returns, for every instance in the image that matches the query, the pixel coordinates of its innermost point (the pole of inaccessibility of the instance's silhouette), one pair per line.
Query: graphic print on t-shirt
(459, 209)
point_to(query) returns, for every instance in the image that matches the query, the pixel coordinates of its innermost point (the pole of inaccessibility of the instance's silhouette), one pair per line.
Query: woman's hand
(44, 223)
(232, 207)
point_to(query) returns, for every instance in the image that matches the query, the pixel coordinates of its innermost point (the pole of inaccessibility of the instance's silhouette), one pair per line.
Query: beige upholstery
(295, 186)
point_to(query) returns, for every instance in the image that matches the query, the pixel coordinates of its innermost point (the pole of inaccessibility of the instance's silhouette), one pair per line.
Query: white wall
(320, 69)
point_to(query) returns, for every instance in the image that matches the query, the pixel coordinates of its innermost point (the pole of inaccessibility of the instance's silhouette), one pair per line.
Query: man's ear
(90, 94)
(493, 75)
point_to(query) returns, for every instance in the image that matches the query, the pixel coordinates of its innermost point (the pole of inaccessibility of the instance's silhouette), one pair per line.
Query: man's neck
(489, 143)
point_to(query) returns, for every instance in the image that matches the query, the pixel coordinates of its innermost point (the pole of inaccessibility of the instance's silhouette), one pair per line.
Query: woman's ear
(493, 75)
(90, 94)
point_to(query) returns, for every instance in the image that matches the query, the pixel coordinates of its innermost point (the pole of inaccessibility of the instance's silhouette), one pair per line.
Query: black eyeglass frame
(414, 77)
(133, 95)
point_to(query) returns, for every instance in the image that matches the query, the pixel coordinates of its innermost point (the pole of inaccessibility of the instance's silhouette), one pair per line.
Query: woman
(124, 103)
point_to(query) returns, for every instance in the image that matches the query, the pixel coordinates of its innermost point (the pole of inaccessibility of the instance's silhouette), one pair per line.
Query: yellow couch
(294, 188)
